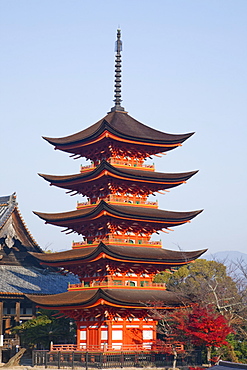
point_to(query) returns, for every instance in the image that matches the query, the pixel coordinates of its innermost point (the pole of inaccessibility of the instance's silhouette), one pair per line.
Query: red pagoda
(116, 261)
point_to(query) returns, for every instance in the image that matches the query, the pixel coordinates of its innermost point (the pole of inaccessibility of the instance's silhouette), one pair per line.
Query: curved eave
(124, 298)
(26, 233)
(119, 212)
(9, 209)
(119, 253)
(105, 169)
(122, 126)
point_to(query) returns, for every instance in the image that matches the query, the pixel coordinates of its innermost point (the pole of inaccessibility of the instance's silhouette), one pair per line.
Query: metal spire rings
(117, 91)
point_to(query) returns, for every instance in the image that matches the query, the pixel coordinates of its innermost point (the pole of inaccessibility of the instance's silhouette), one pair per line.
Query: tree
(235, 350)
(196, 325)
(206, 327)
(44, 329)
(205, 281)
(173, 338)
(208, 283)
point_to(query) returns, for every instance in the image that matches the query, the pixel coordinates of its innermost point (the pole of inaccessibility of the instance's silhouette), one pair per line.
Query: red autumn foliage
(201, 325)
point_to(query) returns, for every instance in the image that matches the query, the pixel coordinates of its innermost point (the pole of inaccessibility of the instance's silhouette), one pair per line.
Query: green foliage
(162, 277)
(40, 331)
(236, 350)
(203, 280)
(195, 274)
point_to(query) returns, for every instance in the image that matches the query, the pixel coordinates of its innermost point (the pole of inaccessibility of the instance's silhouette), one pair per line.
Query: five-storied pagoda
(116, 261)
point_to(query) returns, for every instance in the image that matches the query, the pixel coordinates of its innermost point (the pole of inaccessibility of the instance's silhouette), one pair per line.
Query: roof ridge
(8, 206)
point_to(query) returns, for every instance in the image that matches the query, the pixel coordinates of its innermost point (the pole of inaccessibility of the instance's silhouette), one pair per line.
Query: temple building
(116, 260)
(21, 272)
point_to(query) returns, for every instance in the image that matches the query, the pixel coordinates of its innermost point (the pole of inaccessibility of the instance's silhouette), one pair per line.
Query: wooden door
(93, 338)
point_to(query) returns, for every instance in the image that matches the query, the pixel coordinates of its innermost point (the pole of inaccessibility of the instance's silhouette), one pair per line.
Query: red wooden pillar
(155, 331)
(78, 335)
(109, 334)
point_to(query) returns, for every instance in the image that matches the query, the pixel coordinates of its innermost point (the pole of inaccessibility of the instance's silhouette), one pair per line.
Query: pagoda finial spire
(117, 95)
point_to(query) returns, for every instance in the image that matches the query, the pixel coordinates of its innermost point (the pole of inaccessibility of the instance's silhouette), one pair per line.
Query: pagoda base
(119, 334)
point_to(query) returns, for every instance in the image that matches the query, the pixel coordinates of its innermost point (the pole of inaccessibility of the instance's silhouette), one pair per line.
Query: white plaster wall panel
(83, 335)
(104, 334)
(117, 335)
(147, 334)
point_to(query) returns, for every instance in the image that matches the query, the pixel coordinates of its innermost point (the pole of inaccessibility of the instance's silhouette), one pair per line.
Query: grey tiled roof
(226, 365)
(7, 205)
(4, 199)
(8, 208)
(25, 279)
(18, 279)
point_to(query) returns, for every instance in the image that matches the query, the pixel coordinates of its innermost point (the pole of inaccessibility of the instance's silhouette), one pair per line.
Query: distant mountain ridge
(226, 257)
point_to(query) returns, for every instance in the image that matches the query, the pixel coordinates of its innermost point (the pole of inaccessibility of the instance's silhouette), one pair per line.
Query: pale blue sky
(184, 69)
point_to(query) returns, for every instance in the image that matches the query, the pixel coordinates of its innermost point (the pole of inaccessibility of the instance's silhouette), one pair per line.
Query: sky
(184, 69)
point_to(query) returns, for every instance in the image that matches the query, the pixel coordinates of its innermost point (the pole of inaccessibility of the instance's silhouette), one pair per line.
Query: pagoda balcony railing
(127, 284)
(87, 168)
(132, 241)
(132, 164)
(122, 163)
(120, 241)
(120, 201)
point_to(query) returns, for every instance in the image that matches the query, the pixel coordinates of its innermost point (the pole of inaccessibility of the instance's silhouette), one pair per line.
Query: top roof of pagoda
(121, 125)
